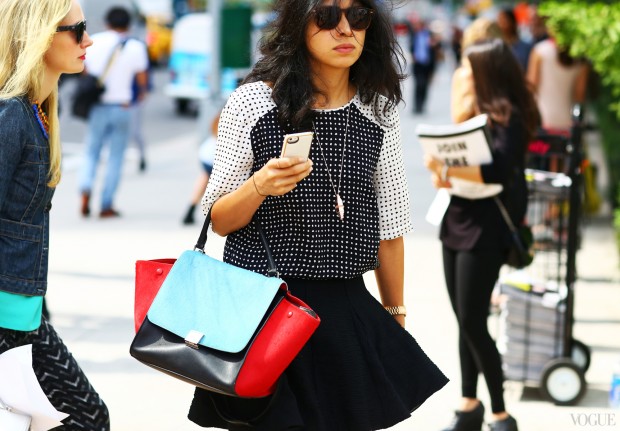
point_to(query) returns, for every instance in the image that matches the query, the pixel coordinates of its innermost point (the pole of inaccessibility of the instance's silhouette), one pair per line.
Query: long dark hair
(500, 86)
(285, 61)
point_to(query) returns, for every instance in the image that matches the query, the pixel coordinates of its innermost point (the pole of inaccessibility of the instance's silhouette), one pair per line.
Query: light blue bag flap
(221, 303)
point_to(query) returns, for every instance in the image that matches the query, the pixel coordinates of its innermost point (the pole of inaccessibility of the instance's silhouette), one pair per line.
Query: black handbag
(87, 94)
(520, 254)
(89, 88)
(223, 328)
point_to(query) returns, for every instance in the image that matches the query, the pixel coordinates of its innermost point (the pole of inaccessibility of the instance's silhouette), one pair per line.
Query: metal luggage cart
(536, 314)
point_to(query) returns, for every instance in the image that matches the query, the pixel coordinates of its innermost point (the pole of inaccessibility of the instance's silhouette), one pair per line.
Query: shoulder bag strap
(505, 214)
(111, 61)
(271, 263)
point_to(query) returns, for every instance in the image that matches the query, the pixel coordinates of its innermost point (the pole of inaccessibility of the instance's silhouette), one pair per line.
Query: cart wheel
(580, 354)
(563, 382)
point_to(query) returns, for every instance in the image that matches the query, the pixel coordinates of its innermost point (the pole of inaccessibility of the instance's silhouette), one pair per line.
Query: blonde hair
(479, 30)
(27, 28)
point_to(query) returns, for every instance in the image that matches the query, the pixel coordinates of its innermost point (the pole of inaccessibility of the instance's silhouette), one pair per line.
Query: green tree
(591, 29)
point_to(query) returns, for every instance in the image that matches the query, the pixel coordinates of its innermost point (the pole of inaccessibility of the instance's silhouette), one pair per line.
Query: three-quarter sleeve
(390, 182)
(233, 154)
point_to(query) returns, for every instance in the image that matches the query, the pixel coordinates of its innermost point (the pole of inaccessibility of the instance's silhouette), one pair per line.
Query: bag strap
(505, 215)
(271, 263)
(111, 60)
(222, 402)
(515, 234)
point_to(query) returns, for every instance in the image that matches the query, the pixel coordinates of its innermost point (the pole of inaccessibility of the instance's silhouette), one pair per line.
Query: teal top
(20, 312)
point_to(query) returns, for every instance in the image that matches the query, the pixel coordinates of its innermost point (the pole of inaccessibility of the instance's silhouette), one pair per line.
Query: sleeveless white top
(556, 87)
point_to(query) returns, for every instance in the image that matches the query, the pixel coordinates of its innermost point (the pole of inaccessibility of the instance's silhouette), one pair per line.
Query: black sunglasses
(78, 29)
(328, 17)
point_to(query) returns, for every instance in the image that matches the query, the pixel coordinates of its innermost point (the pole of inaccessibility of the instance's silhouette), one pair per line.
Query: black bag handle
(511, 226)
(271, 263)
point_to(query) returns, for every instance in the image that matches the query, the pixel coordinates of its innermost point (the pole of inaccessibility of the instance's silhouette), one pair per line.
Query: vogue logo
(594, 419)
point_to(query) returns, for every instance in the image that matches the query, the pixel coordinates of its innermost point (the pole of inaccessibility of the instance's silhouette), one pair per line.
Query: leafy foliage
(591, 30)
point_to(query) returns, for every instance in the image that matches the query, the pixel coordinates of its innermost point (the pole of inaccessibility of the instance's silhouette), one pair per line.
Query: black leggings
(470, 278)
(61, 378)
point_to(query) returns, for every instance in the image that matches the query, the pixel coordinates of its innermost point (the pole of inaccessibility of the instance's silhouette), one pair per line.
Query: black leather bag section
(89, 88)
(520, 254)
(210, 369)
(87, 94)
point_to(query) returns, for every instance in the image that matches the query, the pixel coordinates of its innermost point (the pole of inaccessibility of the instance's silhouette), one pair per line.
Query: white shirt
(131, 60)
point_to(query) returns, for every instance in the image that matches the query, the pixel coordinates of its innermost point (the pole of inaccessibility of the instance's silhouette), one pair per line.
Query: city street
(92, 265)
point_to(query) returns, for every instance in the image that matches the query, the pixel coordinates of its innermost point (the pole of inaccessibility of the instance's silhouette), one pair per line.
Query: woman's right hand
(436, 167)
(281, 175)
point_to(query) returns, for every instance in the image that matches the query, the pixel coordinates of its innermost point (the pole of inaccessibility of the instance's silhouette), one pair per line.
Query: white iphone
(297, 145)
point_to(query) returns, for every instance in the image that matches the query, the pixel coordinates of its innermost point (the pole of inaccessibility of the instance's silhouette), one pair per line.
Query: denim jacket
(25, 200)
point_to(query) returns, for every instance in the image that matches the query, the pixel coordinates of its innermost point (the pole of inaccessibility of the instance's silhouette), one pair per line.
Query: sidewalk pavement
(91, 294)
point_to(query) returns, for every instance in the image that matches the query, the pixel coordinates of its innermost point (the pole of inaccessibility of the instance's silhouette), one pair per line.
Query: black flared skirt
(360, 371)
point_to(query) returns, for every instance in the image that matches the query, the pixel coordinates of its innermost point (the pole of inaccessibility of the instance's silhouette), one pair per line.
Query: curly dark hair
(285, 62)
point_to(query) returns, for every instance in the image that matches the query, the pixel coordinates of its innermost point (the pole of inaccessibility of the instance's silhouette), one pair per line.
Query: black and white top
(305, 233)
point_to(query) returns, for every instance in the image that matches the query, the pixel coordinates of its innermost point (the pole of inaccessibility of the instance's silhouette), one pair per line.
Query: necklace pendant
(340, 207)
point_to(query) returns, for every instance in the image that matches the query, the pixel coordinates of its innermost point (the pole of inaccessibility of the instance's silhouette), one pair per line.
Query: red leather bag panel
(274, 349)
(150, 274)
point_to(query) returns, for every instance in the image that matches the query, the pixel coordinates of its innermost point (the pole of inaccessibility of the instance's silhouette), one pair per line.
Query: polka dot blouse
(304, 230)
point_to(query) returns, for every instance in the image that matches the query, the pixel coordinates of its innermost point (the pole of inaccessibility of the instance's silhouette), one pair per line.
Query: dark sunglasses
(328, 17)
(79, 29)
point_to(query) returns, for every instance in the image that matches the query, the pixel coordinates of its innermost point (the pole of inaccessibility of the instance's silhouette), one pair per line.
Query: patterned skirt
(61, 378)
(360, 371)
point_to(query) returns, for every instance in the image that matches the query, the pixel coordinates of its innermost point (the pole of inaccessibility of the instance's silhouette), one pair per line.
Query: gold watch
(396, 310)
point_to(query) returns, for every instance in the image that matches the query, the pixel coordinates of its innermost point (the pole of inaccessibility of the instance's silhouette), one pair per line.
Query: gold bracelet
(256, 187)
(396, 310)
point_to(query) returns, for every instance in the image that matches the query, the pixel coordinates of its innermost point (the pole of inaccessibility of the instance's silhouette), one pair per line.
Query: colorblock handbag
(10, 420)
(223, 328)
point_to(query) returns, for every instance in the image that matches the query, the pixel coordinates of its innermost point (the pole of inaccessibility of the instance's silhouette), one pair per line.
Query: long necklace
(339, 202)
(42, 119)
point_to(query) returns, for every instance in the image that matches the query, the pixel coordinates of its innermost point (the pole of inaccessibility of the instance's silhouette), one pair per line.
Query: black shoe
(508, 424)
(467, 421)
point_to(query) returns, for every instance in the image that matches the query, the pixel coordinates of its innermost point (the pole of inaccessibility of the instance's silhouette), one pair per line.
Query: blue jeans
(106, 124)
